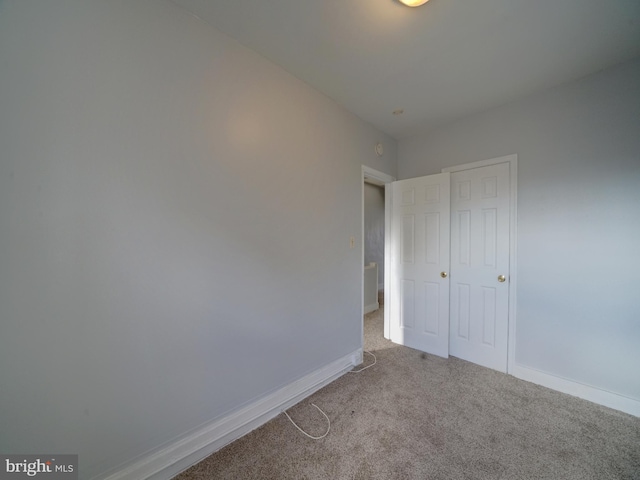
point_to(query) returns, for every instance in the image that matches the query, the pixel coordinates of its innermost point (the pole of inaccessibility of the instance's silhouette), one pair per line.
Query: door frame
(512, 160)
(375, 177)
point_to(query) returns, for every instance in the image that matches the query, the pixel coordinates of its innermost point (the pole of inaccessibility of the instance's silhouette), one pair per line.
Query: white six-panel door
(420, 263)
(479, 315)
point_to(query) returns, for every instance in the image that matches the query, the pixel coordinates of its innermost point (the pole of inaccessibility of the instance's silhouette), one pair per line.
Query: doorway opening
(377, 186)
(373, 247)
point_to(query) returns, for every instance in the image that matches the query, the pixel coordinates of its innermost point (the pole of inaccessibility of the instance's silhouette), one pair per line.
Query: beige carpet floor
(417, 416)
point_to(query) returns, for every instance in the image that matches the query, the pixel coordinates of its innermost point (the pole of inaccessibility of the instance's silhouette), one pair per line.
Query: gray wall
(578, 146)
(175, 215)
(374, 228)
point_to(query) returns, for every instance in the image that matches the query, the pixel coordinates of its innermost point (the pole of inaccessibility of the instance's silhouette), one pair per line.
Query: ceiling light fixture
(414, 3)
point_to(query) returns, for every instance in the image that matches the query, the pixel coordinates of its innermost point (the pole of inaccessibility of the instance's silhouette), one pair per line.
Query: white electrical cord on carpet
(310, 436)
(375, 360)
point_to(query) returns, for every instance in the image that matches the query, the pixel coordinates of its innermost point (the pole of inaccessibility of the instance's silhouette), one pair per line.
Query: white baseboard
(593, 394)
(175, 457)
(372, 307)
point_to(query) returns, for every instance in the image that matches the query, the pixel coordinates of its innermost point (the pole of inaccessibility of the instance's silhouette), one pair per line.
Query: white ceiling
(439, 62)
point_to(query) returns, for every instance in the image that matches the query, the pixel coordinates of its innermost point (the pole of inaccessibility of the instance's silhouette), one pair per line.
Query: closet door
(420, 263)
(480, 200)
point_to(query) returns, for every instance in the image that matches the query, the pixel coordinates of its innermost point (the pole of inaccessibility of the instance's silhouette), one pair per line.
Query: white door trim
(513, 216)
(369, 175)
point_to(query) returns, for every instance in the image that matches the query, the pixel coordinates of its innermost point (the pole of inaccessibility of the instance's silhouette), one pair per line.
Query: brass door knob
(501, 278)
(443, 274)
